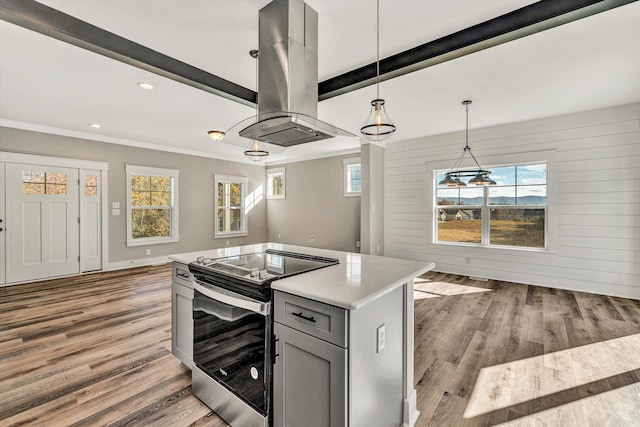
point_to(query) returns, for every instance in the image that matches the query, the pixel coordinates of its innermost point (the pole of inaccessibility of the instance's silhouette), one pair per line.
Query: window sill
(151, 241)
(351, 194)
(275, 197)
(231, 234)
(507, 249)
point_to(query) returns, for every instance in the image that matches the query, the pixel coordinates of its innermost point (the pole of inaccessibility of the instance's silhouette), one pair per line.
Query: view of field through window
(514, 210)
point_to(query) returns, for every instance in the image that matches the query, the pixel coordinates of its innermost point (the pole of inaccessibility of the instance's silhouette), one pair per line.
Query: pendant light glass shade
(479, 177)
(256, 151)
(377, 126)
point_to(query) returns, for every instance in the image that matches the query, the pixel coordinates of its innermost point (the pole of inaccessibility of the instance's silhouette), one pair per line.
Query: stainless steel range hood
(288, 77)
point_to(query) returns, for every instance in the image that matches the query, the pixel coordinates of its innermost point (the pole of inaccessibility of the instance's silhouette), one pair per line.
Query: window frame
(273, 172)
(173, 175)
(506, 160)
(346, 175)
(243, 181)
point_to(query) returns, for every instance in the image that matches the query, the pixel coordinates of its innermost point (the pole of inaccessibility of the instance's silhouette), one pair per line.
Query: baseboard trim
(140, 262)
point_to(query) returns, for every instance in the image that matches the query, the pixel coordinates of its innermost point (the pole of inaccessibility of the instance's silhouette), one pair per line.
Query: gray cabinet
(182, 314)
(310, 370)
(338, 367)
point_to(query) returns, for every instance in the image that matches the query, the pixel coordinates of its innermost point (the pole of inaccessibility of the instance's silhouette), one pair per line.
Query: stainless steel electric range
(232, 339)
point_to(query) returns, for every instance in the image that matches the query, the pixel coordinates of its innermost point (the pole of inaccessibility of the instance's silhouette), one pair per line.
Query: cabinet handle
(184, 276)
(302, 316)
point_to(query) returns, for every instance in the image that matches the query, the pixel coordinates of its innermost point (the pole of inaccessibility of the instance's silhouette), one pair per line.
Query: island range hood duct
(288, 77)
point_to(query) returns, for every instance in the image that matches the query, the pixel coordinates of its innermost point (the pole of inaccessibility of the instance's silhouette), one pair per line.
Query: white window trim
(276, 171)
(230, 178)
(532, 157)
(152, 171)
(345, 164)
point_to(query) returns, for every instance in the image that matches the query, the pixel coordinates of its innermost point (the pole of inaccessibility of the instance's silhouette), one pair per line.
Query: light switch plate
(115, 212)
(115, 205)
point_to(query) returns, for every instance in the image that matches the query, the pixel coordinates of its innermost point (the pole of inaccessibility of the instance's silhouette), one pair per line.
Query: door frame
(34, 159)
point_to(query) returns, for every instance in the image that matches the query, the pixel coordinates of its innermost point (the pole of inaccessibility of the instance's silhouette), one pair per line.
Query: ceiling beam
(51, 22)
(522, 22)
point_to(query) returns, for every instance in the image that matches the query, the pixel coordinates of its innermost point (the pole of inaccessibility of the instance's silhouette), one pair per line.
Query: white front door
(91, 220)
(42, 228)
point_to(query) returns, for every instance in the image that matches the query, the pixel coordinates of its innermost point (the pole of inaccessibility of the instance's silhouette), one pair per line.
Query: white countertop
(356, 281)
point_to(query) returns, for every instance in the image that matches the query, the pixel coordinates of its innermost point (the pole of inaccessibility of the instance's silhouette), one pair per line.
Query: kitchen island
(343, 338)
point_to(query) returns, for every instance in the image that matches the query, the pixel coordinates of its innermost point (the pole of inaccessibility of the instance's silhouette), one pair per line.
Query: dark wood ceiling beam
(51, 22)
(522, 22)
(528, 20)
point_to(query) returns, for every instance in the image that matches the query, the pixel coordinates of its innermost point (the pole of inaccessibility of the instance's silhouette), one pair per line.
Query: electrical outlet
(380, 342)
(378, 248)
(312, 238)
(227, 243)
(467, 260)
(148, 252)
(358, 244)
(278, 236)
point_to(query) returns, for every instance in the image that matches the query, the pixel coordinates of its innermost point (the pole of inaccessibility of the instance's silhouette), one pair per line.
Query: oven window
(230, 345)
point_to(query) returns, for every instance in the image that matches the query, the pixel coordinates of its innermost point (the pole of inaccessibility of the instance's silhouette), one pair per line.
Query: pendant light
(256, 150)
(480, 176)
(377, 126)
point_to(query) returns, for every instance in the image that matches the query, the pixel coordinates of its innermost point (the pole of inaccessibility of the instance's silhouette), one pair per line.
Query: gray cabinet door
(310, 387)
(182, 323)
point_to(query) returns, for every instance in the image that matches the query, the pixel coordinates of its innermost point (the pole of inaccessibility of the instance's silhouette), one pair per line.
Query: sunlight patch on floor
(618, 407)
(426, 289)
(508, 384)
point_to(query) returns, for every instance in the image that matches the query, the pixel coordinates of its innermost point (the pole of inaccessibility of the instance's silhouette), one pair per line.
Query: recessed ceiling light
(95, 125)
(145, 85)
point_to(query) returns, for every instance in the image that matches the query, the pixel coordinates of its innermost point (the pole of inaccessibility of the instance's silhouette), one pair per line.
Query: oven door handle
(233, 300)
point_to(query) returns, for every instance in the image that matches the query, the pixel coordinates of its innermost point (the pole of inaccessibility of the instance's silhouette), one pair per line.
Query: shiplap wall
(594, 201)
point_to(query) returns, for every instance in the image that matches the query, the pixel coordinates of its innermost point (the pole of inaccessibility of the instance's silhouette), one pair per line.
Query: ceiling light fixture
(145, 85)
(480, 176)
(377, 126)
(95, 125)
(216, 135)
(256, 150)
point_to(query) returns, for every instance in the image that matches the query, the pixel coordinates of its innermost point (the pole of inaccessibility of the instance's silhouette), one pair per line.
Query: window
(230, 215)
(152, 205)
(50, 183)
(352, 178)
(512, 213)
(276, 183)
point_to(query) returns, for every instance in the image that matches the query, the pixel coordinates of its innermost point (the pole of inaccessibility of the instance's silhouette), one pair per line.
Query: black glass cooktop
(251, 273)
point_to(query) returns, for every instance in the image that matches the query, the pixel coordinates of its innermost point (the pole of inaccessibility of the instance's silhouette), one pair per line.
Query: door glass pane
(517, 227)
(91, 185)
(44, 183)
(460, 225)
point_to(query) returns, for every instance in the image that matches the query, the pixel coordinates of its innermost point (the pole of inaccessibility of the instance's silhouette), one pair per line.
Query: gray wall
(196, 190)
(315, 205)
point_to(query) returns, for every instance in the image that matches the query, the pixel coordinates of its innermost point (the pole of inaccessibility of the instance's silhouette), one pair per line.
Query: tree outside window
(276, 183)
(152, 205)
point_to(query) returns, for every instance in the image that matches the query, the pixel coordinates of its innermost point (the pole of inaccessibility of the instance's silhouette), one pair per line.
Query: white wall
(594, 201)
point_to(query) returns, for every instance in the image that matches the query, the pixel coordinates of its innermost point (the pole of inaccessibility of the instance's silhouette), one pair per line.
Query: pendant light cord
(377, 49)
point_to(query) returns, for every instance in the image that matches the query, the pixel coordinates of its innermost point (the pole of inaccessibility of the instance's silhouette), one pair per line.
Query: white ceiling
(52, 86)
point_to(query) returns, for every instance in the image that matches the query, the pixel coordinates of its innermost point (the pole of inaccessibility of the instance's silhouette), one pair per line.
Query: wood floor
(95, 350)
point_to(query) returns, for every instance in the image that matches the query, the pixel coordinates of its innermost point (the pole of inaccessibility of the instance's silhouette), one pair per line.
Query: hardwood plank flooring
(95, 350)
(499, 353)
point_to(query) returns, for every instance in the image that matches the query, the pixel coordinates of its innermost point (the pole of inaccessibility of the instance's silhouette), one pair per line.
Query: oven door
(231, 342)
